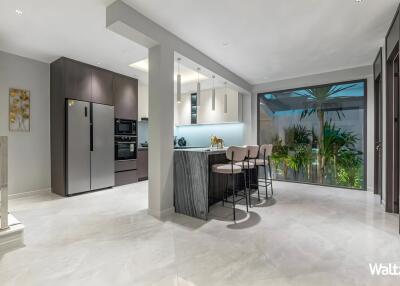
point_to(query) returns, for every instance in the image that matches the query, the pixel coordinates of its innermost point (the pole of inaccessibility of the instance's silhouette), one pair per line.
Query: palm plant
(279, 156)
(298, 139)
(340, 152)
(320, 101)
(349, 168)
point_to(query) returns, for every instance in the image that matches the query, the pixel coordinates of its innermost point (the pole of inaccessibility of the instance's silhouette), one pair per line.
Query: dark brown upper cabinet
(125, 97)
(78, 80)
(102, 87)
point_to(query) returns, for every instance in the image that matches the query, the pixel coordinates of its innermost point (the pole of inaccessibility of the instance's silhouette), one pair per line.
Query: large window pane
(317, 133)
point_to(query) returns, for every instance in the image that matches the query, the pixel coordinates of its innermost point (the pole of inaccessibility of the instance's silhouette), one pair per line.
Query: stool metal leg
(245, 191)
(258, 188)
(234, 198)
(270, 176)
(225, 193)
(265, 181)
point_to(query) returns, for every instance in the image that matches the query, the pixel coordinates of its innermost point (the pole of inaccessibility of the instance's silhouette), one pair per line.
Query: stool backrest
(236, 153)
(266, 150)
(252, 151)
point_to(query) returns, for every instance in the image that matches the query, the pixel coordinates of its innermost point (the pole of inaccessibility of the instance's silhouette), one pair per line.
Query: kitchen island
(196, 188)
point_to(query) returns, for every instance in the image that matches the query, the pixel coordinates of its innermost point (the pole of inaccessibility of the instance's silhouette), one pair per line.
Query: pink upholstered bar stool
(250, 164)
(264, 161)
(235, 155)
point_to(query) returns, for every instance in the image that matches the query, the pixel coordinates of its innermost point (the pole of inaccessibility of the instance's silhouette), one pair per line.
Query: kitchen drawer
(125, 177)
(125, 165)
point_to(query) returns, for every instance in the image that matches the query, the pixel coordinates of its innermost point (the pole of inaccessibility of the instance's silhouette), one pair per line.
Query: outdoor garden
(320, 153)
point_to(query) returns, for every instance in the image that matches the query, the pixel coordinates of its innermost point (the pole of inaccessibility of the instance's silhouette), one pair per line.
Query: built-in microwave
(125, 127)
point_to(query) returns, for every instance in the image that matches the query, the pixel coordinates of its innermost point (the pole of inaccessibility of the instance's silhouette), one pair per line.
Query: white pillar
(161, 130)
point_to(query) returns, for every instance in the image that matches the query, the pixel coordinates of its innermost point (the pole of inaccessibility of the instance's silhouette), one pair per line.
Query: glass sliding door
(317, 133)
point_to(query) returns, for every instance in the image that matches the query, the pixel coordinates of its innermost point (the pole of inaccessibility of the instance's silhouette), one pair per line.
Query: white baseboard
(29, 194)
(161, 214)
(12, 236)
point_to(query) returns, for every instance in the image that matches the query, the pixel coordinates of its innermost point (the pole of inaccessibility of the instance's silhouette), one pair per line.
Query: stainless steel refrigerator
(90, 146)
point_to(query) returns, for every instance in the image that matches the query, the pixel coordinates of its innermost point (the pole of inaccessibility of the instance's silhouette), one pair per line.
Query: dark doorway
(396, 135)
(378, 124)
(392, 132)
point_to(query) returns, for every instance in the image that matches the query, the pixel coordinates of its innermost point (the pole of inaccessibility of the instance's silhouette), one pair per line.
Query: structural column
(161, 130)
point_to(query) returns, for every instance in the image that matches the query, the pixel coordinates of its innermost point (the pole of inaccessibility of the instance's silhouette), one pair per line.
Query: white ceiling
(49, 29)
(260, 40)
(275, 39)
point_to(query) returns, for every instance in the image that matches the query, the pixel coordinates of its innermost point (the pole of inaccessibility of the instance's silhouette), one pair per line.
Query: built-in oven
(125, 147)
(125, 127)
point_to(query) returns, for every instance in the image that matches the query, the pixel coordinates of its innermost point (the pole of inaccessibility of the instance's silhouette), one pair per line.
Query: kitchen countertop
(203, 150)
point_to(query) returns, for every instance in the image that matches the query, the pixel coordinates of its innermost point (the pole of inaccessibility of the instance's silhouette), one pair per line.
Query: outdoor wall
(364, 72)
(29, 152)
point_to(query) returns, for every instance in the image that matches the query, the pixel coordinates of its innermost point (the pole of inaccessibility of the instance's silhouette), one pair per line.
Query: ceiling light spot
(142, 65)
(18, 11)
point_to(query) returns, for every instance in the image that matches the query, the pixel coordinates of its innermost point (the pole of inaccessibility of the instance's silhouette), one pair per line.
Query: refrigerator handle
(91, 126)
(85, 111)
(91, 136)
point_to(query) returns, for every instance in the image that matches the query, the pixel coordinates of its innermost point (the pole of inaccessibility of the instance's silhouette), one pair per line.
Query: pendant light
(198, 87)
(213, 93)
(225, 100)
(178, 83)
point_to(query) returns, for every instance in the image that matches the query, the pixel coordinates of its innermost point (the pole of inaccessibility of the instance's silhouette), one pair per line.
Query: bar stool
(248, 165)
(235, 155)
(264, 162)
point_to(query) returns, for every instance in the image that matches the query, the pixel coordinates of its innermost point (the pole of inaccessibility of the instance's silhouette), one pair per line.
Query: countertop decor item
(182, 142)
(218, 142)
(19, 110)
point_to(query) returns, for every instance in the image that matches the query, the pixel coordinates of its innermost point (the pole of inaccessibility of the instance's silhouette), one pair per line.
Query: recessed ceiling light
(359, 1)
(18, 12)
(142, 65)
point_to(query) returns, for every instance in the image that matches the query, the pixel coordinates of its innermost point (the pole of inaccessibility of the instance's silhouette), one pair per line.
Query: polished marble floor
(306, 235)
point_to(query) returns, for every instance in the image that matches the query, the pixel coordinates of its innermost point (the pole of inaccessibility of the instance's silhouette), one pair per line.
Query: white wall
(364, 72)
(29, 152)
(205, 114)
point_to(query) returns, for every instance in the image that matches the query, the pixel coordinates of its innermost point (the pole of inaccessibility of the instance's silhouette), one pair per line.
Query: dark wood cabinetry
(143, 164)
(126, 97)
(102, 87)
(77, 80)
(70, 79)
(81, 81)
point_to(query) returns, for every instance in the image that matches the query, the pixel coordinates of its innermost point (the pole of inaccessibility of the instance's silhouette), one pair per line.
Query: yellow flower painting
(19, 110)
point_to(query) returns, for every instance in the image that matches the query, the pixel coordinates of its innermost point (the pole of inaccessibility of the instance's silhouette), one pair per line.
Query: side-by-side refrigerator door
(102, 149)
(78, 146)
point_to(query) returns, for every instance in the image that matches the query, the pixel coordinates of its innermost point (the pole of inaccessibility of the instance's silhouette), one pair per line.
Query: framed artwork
(19, 110)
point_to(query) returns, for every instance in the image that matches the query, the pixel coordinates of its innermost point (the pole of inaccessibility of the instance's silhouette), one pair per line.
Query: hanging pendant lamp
(213, 94)
(225, 100)
(198, 87)
(178, 83)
